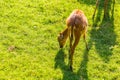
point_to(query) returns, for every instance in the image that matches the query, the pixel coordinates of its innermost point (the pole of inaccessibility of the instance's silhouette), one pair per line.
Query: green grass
(28, 41)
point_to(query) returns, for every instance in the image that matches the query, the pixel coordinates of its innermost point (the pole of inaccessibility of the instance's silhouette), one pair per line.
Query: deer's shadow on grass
(67, 74)
(103, 34)
(60, 63)
(59, 59)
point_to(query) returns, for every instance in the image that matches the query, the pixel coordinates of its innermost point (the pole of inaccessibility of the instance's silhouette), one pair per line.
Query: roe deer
(76, 26)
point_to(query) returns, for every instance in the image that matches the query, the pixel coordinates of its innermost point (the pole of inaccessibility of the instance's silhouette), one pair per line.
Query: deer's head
(61, 40)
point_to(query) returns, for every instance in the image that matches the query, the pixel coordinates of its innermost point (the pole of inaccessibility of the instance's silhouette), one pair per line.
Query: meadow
(28, 41)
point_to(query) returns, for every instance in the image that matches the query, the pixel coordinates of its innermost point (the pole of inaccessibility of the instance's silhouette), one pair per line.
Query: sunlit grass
(29, 49)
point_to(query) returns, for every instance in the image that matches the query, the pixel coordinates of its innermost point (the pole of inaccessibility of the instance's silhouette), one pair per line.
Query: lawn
(28, 41)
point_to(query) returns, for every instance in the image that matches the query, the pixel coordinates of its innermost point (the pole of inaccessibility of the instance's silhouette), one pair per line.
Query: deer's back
(77, 19)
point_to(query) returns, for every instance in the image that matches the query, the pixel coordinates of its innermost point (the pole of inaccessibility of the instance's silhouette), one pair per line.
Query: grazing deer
(76, 26)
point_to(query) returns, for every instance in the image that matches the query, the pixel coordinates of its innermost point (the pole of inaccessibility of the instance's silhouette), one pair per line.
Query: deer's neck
(66, 33)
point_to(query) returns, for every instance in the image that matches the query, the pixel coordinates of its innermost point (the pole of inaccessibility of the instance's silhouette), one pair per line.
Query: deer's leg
(77, 38)
(84, 36)
(71, 40)
(71, 37)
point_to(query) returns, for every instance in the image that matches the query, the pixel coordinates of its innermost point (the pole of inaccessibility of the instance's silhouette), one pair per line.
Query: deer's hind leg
(77, 35)
(71, 41)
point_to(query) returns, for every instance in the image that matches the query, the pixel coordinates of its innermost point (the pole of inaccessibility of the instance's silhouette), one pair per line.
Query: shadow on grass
(103, 34)
(82, 72)
(60, 63)
(67, 74)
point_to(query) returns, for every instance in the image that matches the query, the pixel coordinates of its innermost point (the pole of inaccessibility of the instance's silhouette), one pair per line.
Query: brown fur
(76, 26)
